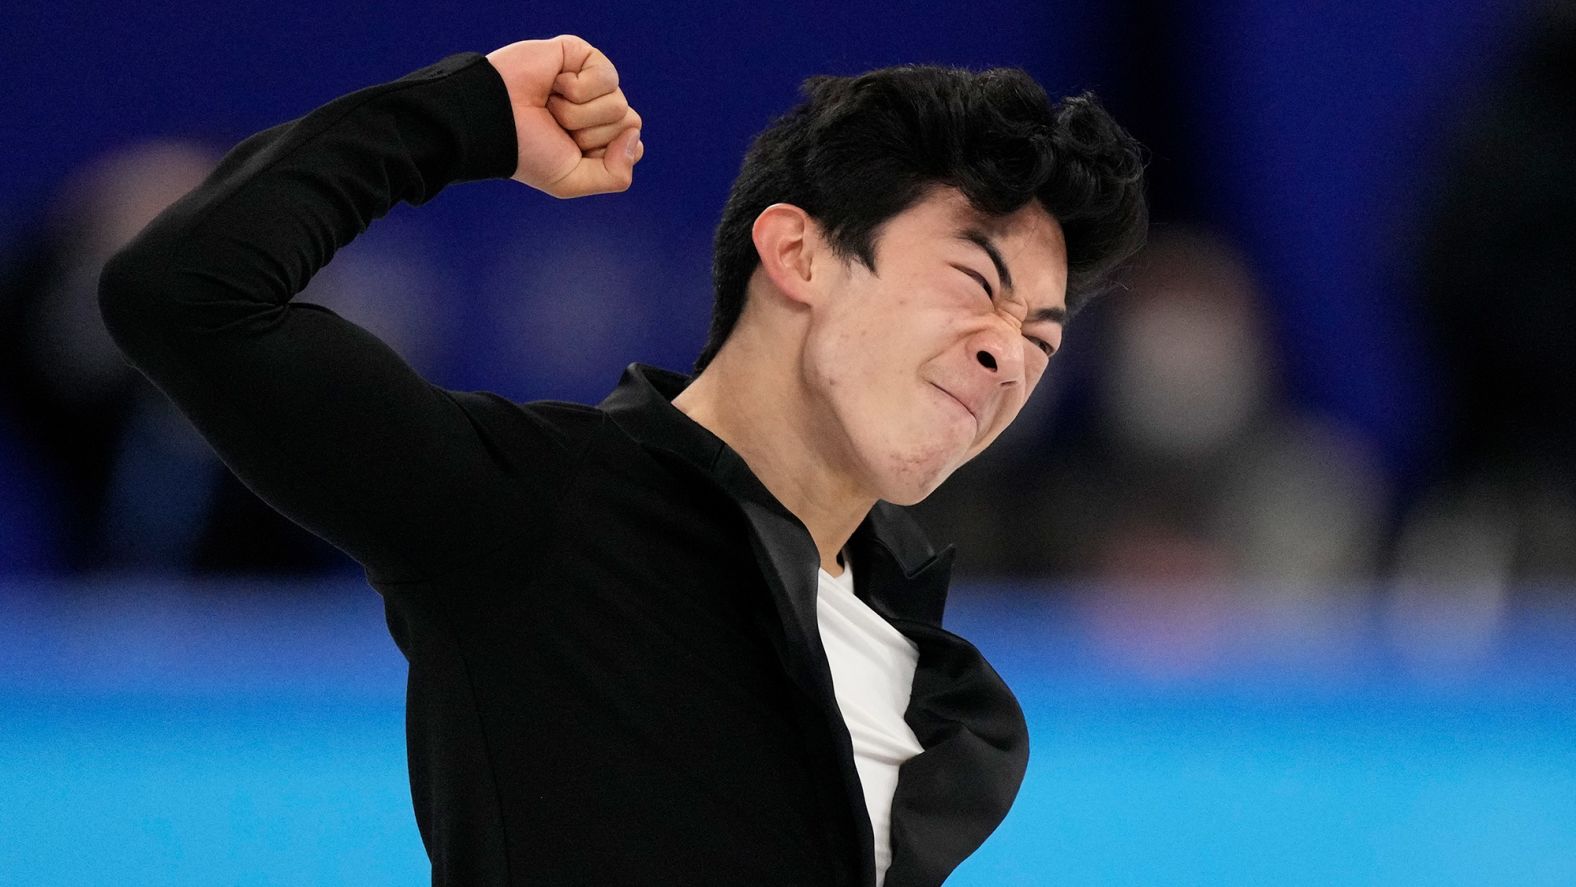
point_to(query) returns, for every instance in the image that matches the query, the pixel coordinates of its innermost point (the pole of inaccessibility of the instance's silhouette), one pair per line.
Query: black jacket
(615, 671)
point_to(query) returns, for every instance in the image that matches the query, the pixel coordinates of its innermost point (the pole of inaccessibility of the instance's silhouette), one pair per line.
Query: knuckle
(566, 89)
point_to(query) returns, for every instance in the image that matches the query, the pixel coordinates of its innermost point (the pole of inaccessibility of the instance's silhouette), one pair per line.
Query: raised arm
(313, 413)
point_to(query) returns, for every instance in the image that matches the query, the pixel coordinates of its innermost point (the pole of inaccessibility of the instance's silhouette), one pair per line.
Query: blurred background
(1281, 559)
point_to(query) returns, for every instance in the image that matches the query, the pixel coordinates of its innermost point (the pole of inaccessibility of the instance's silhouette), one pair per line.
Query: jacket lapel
(953, 795)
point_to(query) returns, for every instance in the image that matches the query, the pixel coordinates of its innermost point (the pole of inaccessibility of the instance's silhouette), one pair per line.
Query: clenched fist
(576, 132)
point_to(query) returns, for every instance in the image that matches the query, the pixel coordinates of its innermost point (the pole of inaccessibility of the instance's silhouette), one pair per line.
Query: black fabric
(615, 671)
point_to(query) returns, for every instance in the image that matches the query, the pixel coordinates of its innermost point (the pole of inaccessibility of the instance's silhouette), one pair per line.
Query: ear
(788, 242)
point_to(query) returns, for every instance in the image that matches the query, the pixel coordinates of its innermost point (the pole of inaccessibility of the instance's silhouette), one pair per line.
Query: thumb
(603, 170)
(618, 160)
(624, 152)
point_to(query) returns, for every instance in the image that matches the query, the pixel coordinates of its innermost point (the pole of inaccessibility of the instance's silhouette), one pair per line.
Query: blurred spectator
(128, 483)
(1499, 274)
(1192, 467)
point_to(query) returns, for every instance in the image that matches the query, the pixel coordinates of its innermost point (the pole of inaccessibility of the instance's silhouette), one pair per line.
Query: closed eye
(980, 278)
(1045, 347)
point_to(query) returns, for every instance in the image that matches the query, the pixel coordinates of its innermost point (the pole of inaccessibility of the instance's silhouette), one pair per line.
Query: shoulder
(522, 435)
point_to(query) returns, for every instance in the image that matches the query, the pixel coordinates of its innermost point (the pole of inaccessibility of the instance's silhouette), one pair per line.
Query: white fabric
(873, 675)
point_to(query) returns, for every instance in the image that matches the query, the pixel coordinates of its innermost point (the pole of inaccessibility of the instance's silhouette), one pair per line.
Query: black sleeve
(314, 414)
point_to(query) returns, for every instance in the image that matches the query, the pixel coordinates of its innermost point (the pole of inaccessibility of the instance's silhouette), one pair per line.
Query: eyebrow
(1053, 314)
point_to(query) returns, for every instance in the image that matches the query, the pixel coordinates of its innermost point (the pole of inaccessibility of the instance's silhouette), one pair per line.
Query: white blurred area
(1258, 488)
(1189, 465)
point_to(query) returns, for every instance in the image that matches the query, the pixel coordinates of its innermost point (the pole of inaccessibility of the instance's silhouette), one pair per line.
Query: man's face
(918, 367)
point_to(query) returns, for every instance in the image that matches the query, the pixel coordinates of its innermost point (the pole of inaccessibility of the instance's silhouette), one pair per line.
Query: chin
(914, 480)
(906, 500)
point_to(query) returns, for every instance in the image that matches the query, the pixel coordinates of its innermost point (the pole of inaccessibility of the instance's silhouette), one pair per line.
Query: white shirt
(873, 674)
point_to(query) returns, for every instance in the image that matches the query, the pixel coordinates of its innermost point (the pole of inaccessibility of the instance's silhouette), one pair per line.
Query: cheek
(839, 363)
(870, 353)
(1035, 368)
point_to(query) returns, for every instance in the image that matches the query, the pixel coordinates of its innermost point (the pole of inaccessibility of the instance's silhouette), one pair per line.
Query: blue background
(154, 731)
(212, 733)
(1309, 133)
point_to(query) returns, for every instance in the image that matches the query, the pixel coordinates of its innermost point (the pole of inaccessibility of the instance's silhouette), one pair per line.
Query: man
(681, 637)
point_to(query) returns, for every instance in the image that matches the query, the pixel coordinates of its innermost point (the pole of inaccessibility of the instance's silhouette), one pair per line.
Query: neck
(745, 401)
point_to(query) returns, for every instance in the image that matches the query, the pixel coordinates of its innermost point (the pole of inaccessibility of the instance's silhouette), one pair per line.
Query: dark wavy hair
(859, 150)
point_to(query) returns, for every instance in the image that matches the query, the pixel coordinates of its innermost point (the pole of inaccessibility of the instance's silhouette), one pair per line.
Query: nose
(998, 354)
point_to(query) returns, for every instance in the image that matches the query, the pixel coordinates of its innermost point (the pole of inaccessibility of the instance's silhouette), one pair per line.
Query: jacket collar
(960, 710)
(896, 571)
